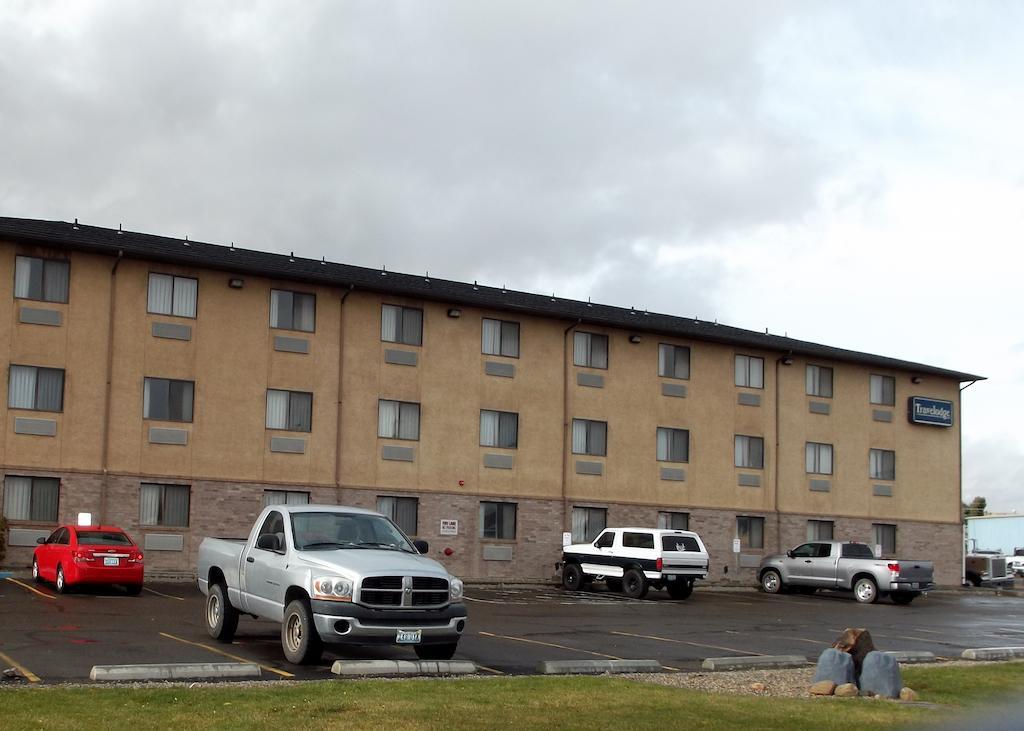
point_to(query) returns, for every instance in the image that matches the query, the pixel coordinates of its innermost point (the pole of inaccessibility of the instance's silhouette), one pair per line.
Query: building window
(165, 505)
(31, 498)
(41, 279)
(885, 536)
(289, 410)
(402, 510)
(167, 400)
(749, 371)
(673, 445)
(590, 350)
(398, 420)
(819, 381)
(749, 452)
(587, 523)
(499, 429)
(882, 464)
(673, 361)
(750, 532)
(292, 310)
(589, 437)
(171, 295)
(500, 337)
(401, 325)
(38, 389)
(820, 530)
(673, 521)
(498, 520)
(819, 458)
(883, 390)
(285, 497)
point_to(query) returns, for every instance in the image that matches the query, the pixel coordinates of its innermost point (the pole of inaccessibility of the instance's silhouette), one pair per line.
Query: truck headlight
(455, 588)
(332, 588)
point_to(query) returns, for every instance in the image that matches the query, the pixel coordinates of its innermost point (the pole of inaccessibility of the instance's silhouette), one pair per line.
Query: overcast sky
(848, 173)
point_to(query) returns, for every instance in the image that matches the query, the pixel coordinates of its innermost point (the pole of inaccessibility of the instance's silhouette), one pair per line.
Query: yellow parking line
(282, 673)
(549, 644)
(32, 589)
(29, 675)
(169, 596)
(687, 642)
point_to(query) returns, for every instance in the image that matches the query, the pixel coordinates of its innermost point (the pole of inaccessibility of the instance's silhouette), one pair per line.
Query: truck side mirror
(268, 542)
(790, 553)
(421, 546)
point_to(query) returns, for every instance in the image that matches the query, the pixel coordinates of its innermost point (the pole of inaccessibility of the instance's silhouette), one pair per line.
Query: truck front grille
(404, 591)
(998, 567)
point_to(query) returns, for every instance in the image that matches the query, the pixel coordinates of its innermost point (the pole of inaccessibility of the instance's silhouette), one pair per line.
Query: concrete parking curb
(910, 657)
(993, 653)
(597, 667)
(402, 667)
(175, 671)
(754, 662)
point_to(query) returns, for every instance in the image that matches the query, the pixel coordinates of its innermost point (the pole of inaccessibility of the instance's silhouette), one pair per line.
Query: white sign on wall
(735, 545)
(567, 539)
(449, 527)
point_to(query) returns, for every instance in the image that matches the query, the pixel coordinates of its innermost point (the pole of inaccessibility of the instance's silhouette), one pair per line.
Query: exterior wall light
(635, 339)
(787, 361)
(454, 312)
(236, 283)
(915, 379)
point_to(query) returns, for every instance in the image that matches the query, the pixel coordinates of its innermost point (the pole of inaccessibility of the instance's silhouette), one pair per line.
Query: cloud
(994, 469)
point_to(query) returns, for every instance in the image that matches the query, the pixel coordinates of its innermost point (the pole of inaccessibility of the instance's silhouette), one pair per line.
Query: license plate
(111, 561)
(670, 577)
(409, 636)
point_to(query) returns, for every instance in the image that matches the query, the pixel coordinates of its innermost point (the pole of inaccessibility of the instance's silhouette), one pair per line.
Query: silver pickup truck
(845, 566)
(331, 575)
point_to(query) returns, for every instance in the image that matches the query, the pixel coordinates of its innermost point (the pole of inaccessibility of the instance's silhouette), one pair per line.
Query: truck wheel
(680, 589)
(903, 597)
(299, 637)
(866, 590)
(771, 582)
(221, 617)
(634, 584)
(572, 577)
(436, 652)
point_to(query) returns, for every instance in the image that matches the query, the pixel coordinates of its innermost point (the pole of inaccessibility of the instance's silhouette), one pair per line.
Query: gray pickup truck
(845, 566)
(331, 575)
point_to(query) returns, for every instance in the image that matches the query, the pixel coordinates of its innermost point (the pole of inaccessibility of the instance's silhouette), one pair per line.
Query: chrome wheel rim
(35, 569)
(293, 632)
(865, 590)
(212, 609)
(771, 582)
(60, 578)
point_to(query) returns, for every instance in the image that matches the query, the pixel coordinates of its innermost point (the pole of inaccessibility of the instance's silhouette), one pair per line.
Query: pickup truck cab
(845, 566)
(331, 575)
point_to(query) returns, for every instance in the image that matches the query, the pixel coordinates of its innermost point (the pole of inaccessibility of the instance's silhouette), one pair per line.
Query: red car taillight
(658, 564)
(82, 556)
(135, 557)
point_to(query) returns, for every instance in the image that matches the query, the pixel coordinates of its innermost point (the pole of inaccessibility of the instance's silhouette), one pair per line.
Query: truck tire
(634, 584)
(771, 582)
(572, 577)
(865, 590)
(680, 589)
(436, 652)
(221, 617)
(903, 597)
(299, 638)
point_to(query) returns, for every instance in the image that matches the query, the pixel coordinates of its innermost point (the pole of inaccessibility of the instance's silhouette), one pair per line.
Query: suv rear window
(679, 543)
(857, 550)
(638, 540)
(102, 538)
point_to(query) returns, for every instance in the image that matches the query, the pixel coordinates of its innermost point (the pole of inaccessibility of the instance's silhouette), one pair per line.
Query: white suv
(632, 560)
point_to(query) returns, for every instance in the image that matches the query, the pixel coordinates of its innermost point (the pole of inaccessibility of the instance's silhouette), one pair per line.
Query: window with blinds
(749, 452)
(820, 530)
(285, 497)
(587, 523)
(885, 536)
(164, 505)
(164, 399)
(172, 295)
(499, 429)
(45, 280)
(289, 410)
(403, 511)
(590, 350)
(673, 521)
(38, 389)
(818, 458)
(589, 437)
(498, 520)
(31, 499)
(819, 381)
(883, 390)
(401, 325)
(750, 531)
(500, 337)
(292, 310)
(398, 420)
(673, 361)
(673, 445)
(749, 371)
(882, 464)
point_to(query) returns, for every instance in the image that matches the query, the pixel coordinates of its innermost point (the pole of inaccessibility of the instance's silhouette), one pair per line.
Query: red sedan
(96, 554)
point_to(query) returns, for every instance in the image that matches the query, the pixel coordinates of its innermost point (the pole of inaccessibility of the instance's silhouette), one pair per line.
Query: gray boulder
(836, 666)
(881, 675)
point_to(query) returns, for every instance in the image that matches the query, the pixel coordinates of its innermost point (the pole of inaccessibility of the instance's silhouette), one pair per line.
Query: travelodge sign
(933, 412)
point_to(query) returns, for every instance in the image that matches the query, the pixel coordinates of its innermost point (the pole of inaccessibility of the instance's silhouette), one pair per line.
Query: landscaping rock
(908, 694)
(835, 665)
(847, 690)
(857, 643)
(822, 687)
(881, 675)
(758, 687)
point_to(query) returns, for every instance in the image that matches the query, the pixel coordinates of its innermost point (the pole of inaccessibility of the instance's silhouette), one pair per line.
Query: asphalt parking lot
(51, 638)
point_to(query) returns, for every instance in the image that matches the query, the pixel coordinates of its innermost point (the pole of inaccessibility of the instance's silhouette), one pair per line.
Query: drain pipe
(341, 368)
(566, 520)
(784, 360)
(104, 456)
(960, 477)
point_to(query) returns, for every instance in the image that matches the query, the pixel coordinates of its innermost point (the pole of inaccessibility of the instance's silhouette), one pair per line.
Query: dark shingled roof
(232, 259)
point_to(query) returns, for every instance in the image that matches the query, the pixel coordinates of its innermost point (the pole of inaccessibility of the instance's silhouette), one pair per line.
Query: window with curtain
(398, 420)
(673, 521)
(587, 523)
(31, 498)
(818, 458)
(164, 505)
(498, 520)
(41, 279)
(38, 389)
(819, 381)
(292, 310)
(749, 452)
(285, 497)
(401, 325)
(164, 399)
(172, 295)
(673, 445)
(882, 464)
(590, 350)
(820, 530)
(289, 410)
(500, 337)
(883, 390)
(673, 361)
(749, 371)
(499, 429)
(885, 536)
(589, 437)
(750, 531)
(403, 511)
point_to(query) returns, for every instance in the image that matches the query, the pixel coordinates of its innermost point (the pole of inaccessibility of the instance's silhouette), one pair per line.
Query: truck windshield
(327, 531)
